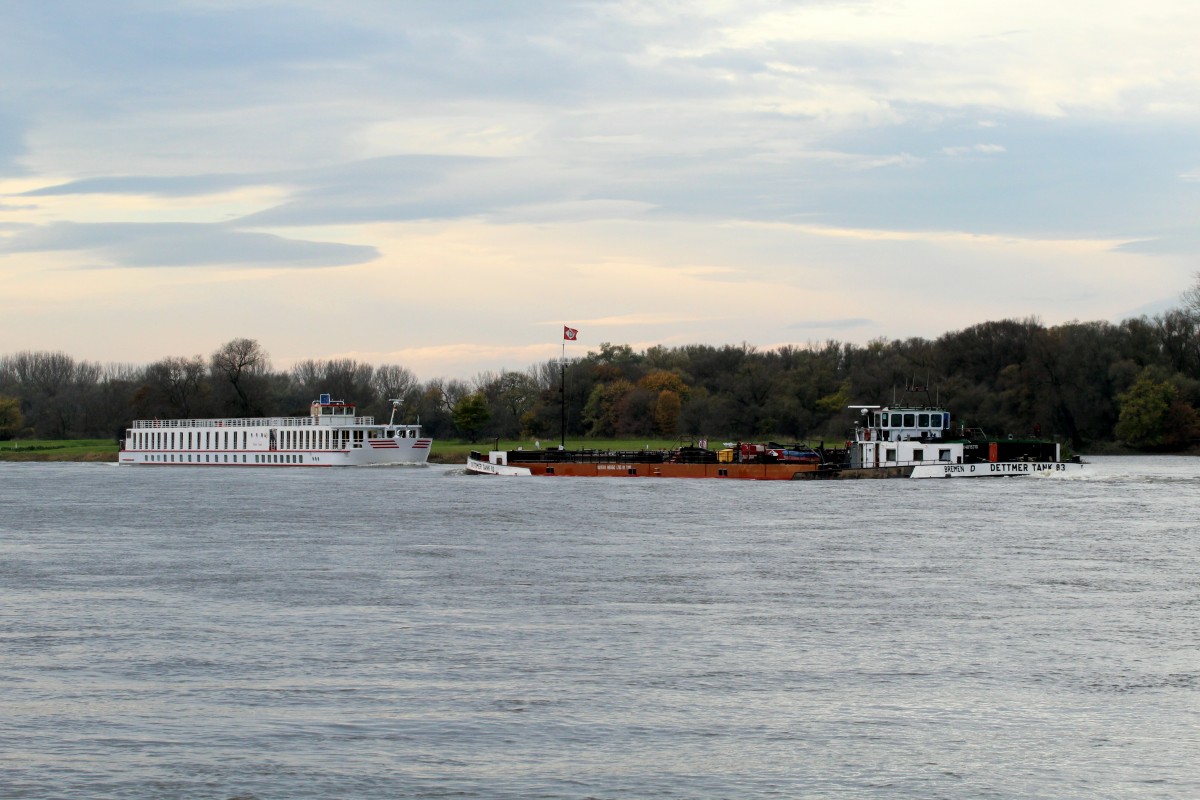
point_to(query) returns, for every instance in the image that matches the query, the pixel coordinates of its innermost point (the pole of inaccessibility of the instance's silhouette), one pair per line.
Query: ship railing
(248, 422)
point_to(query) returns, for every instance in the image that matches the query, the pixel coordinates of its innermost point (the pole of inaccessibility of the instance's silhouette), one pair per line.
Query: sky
(445, 185)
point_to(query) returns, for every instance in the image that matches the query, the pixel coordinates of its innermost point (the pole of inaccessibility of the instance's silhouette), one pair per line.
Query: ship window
(910, 420)
(943, 455)
(918, 455)
(890, 454)
(923, 421)
(883, 420)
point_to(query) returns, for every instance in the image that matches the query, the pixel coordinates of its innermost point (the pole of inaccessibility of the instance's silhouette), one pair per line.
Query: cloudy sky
(444, 185)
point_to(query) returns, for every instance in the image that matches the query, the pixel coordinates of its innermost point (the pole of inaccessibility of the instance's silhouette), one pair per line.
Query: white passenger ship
(330, 436)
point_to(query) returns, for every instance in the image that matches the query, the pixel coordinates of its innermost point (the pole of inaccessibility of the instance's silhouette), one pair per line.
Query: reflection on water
(420, 632)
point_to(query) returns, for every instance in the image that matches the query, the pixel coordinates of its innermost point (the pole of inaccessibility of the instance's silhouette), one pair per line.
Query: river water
(417, 632)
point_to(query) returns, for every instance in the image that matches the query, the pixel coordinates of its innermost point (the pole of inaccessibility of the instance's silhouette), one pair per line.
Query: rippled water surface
(416, 632)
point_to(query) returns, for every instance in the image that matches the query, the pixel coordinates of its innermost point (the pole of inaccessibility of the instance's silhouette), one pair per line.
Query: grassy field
(443, 452)
(59, 450)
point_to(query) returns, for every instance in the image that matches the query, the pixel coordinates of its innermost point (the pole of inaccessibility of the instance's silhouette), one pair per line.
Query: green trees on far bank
(11, 418)
(1136, 382)
(1154, 416)
(470, 415)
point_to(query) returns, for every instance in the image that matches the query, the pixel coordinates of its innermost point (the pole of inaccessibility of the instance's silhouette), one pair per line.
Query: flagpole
(569, 335)
(562, 393)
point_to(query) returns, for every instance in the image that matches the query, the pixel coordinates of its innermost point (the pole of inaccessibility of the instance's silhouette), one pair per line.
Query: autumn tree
(11, 419)
(666, 412)
(177, 382)
(602, 414)
(1144, 411)
(471, 414)
(53, 389)
(1191, 297)
(343, 378)
(242, 364)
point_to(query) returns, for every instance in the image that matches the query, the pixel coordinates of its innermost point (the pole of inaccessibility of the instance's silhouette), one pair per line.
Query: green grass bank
(443, 452)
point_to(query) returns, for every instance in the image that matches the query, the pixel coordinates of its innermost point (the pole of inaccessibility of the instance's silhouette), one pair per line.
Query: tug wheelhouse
(920, 442)
(890, 437)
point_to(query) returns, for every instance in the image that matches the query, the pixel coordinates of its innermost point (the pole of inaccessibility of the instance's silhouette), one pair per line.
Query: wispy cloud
(847, 323)
(650, 172)
(183, 245)
(974, 149)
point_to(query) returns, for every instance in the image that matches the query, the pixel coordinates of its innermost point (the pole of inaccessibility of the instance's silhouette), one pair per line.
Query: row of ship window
(288, 440)
(263, 458)
(909, 419)
(917, 455)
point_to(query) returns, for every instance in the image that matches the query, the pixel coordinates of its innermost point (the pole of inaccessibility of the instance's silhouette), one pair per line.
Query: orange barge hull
(757, 472)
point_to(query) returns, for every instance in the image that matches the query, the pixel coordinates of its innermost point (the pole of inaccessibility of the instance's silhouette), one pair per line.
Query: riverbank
(451, 452)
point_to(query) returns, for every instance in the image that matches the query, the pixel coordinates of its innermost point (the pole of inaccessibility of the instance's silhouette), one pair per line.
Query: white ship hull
(477, 466)
(415, 453)
(1003, 469)
(330, 437)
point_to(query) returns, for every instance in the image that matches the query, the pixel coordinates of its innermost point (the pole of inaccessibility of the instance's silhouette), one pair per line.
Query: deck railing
(250, 422)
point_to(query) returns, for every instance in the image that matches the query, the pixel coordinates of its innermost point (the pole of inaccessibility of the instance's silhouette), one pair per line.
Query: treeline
(1137, 382)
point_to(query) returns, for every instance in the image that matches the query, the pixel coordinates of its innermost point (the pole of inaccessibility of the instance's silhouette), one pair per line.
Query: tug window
(923, 421)
(910, 420)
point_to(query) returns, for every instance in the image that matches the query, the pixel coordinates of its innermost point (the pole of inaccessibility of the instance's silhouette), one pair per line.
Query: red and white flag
(570, 334)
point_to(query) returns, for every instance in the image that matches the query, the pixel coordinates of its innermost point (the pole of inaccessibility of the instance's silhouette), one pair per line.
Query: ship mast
(562, 396)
